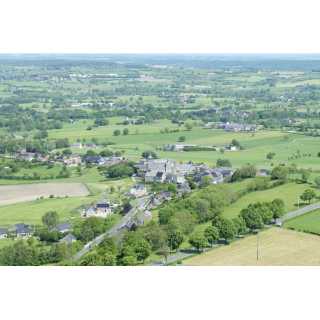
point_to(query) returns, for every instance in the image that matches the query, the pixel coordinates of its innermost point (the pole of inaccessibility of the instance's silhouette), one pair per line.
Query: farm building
(3, 233)
(68, 239)
(22, 230)
(138, 190)
(100, 210)
(63, 227)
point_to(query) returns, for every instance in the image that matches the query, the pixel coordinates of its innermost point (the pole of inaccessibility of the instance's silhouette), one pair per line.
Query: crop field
(309, 222)
(289, 193)
(277, 247)
(20, 193)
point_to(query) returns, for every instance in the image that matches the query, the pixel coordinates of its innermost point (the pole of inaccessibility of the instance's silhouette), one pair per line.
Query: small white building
(100, 210)
(138, 190)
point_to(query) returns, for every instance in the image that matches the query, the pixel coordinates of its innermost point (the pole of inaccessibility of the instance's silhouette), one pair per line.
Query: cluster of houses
(232, 127)
(103, 161)
(24, 231)
(164, 170)
(189, 147)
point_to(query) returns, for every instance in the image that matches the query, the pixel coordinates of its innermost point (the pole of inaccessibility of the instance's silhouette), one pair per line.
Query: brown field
(278, 247)
(27, 192)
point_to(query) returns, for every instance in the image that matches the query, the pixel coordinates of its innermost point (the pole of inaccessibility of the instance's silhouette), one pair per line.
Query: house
(100, 210)
(224, 171)
(68, 239)
(3, 233)
(77, 145)
(138, 190)
(110, 161)
(263, 173)
(96, 160)
(27, 156)
(231, 147)
(63, 227)
(72, 161)
(22, 230)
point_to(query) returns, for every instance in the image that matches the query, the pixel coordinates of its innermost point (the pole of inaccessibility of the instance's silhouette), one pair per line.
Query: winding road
(142, 203)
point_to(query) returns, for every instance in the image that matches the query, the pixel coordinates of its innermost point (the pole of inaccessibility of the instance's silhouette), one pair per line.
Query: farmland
(277, 247)
(309, 222)
(289, 193)
(21, 193)
(185, 142)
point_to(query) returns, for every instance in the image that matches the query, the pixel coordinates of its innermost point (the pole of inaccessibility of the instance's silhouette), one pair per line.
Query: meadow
(277, 247)
(288, 147)
(288, 192)
(309, 222)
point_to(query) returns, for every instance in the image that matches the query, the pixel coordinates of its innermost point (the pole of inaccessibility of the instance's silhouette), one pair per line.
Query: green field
(309, 222)
(148, 137)
(289, 193)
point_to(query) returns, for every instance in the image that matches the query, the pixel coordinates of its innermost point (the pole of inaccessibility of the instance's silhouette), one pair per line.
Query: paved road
(141, 205)
(300, 212)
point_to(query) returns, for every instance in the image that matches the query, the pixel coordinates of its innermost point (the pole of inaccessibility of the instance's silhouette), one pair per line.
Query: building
(100, 210)
(3, 233)
(68, 239)
(95, 160)
(138, 190)
(22, 230)
(72, 161)
(63, 227)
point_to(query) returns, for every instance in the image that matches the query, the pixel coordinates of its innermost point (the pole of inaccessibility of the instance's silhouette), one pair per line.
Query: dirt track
(28, 192)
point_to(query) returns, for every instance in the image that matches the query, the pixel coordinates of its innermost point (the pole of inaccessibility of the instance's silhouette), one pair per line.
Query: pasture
(277, 247)
(20, 193)
(309, 222)
(289, 193)
(32, 212)
(288, 147)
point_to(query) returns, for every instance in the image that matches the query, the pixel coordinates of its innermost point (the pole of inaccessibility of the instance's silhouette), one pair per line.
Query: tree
(142, 249)
(236, 143)
(248, 171)
(223, 163)
(116, 132)
(149, 155)
(239, 225)
(226, 229)
(120, 170)
(125, 131)
(92, 259)
(182, 139)
(175, 238)
(277, 208)
(252, 218)
(198, 241)
(270, 155)
(308, 195)
(50, 219)
(317, 182)
(279, 173)
(188, 126)
(205, 181)
(211, 234)
(305, 175)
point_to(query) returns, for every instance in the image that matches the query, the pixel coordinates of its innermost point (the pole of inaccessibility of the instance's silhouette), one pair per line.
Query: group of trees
(120, 170)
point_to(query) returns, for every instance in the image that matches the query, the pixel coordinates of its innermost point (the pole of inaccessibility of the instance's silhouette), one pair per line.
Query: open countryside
(114, 161)
(277, 247)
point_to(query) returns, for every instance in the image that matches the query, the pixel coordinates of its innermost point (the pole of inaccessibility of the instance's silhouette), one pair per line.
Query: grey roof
(3, 231)
(69, 238)
(21, 228)
(63, 226)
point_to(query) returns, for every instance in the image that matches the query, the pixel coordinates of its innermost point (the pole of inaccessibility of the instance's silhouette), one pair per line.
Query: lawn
(309, 222)
(277, 247)
(289, 193)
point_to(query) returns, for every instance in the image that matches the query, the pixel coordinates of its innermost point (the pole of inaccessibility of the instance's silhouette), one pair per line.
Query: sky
(159, 26)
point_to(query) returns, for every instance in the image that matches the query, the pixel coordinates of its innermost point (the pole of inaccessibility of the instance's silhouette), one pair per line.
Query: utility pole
(258, 246)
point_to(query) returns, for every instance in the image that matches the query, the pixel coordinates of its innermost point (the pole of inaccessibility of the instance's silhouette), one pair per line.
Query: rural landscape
(159, 160)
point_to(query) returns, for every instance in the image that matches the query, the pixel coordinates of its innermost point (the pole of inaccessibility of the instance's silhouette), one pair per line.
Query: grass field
(278, 247)
(289, 193)
(21, 193)
(148, 137)
(31, 212)
(309, 222)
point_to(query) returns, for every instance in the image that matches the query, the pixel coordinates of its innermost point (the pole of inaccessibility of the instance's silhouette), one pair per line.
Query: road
(300, 212)
(142, 203)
